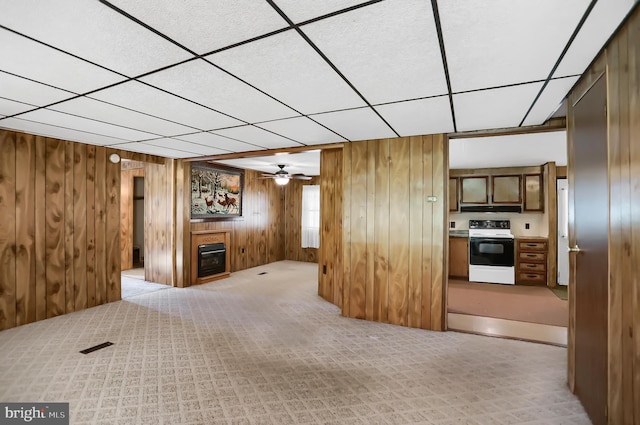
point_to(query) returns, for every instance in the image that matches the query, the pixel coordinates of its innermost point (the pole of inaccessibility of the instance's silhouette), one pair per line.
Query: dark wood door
(591, 235)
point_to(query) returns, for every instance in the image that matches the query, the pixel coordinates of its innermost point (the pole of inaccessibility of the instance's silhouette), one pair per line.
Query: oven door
(488, 251)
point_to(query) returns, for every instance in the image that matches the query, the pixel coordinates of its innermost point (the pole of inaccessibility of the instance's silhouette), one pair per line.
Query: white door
(563, 232)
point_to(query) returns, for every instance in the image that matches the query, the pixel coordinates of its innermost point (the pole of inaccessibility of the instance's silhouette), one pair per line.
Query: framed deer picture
(216, 192)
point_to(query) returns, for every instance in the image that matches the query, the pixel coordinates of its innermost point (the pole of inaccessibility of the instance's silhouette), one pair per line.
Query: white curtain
(311, 216)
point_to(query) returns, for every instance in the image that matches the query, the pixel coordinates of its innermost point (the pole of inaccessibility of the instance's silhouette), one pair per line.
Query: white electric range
(491, 252)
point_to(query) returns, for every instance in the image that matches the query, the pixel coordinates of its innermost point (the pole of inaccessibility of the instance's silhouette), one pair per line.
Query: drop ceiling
(190, 78)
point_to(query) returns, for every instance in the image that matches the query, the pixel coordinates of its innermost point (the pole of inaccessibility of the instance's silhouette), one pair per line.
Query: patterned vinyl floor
(265, 349)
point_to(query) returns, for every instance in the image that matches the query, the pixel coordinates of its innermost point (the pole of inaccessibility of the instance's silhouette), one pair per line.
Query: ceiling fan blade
(300, 177)
(268, 175)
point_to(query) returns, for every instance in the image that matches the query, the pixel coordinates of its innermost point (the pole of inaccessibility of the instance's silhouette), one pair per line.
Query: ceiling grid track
(585, 15)
(436, 17)
(328, 61)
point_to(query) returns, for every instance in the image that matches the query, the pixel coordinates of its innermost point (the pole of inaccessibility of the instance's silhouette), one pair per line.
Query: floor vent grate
(262, 273)
(96, 347)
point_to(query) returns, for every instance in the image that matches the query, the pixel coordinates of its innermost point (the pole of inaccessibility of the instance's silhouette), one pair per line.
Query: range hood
(492, 208)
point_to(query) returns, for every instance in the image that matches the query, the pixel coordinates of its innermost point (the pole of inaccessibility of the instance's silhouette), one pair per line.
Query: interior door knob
(574, 249)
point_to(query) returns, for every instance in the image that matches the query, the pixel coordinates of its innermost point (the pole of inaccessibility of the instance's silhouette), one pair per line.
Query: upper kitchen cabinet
(506, 189)
(453, 194)
(533, 199)
(475, 190)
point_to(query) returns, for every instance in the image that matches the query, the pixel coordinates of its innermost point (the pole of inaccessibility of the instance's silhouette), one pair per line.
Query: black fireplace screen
(211, 259)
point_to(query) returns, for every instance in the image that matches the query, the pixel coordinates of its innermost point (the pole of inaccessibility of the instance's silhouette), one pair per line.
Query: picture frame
(216, 192)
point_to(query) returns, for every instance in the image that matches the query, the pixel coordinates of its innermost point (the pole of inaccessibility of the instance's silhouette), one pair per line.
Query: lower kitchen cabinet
(531, 260)
(459, 257)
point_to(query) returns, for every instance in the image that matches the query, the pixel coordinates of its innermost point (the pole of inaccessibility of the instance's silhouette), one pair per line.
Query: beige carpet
(533, 304)
(265, 349)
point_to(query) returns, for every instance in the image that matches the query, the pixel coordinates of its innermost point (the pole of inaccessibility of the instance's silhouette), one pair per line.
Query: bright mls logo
(36, 413)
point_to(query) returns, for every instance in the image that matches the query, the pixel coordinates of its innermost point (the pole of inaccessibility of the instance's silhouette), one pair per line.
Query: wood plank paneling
(394, 237)
(335, 246)
(329, 254)
(370, 228)
(346, 230)
(7, 230)
(80, 226)
(293, 222)
(358, 235)
(399, 238)
(91, 226)
(415, 204)
(40, 226)
(52, 221)
(25, 230)
(68, 229)
(439, 233)
(427, 232)
(100, 225)
(381, 228)
(55, 227)
(113, 230)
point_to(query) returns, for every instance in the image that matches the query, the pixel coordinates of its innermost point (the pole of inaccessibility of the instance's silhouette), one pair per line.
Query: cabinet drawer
(532, 267)
(532, 246)
(531, 277)
(532, 256)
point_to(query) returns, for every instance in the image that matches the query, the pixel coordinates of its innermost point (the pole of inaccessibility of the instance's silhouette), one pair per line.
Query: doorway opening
(504, 181)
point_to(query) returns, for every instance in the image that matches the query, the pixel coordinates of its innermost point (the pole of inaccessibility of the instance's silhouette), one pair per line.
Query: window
(311, 216)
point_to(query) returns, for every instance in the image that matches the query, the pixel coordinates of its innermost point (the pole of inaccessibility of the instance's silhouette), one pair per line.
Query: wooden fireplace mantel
(199, 237)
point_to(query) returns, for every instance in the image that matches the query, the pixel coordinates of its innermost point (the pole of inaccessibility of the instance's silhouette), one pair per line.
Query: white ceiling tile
(219, 142)
(27, 58)
(257, 136)
(182, 145)
(389, 50)
(143, 98)
(303, 130)
(105, 112)
(205, 25)
(495, 108)
(287, 67)
(303, 10)
(550, 100)
(141, 147)
(11, 107)
(47, 116)
(424, 116)
(54, 131)
(23, 90)
(503, 42)
(203, 83)
(93, 31)
(356, 124)
(517, 150)
(602, 21)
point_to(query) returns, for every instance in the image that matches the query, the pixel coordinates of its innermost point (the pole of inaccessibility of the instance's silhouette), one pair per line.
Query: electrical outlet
(526, 225)
(452, 224)
(243, 250)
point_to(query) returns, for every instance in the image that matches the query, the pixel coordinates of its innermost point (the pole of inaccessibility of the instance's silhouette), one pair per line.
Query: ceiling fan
(282, 176)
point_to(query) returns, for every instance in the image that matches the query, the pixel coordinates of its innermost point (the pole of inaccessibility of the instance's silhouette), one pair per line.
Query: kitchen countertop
(458, 233)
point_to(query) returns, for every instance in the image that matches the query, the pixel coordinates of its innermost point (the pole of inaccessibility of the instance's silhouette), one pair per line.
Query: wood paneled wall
(159, 223)
(330, 270)
(292, 216)
(126, 215)
(621, 63)
(257, 237)
(394, 235)
(59, 228)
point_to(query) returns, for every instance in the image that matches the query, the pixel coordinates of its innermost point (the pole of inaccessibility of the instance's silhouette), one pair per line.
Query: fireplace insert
(211, 259)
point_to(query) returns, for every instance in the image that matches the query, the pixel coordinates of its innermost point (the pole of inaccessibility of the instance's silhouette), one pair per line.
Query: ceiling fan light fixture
(281, 181)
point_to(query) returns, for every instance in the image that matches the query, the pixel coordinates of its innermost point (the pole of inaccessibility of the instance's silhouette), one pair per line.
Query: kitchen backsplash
(538, 223)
